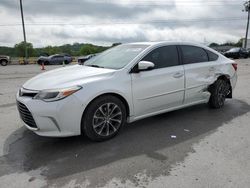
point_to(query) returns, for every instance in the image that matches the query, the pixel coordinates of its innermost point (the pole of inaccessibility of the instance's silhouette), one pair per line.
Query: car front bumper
(53, 119)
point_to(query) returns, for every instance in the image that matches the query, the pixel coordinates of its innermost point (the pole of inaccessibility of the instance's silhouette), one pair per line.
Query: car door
(199, 72)
(53, 60)
(162, 87)
(243, 52)
(59, 59)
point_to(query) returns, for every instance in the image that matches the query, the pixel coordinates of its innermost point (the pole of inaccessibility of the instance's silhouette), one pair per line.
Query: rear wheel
(103, 118)
(4, 62)
(219, 91)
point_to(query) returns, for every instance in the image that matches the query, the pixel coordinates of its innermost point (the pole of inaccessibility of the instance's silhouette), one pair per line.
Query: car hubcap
(107, 119)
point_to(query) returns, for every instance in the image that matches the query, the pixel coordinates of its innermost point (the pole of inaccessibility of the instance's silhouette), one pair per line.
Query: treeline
(237, 44)
(76, 49)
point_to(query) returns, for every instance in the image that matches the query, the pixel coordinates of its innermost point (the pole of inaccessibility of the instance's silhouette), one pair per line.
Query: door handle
(178, 75)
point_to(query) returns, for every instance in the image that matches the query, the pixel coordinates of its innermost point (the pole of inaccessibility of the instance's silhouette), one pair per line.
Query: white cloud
(183, 21)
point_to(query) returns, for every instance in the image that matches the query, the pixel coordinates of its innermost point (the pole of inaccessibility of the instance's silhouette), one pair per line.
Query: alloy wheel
(107, 119)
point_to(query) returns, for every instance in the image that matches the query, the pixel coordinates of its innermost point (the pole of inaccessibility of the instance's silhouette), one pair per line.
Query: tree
(20, 49)
(239, 43)
(51, 50)
(116, 44)
(88, 49)
(213, 44)
(66, 49)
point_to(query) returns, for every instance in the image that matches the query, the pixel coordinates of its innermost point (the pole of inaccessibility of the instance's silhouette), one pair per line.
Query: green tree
(213, 44)
(66, 49)
(239, 43)
(116, 44)
(20, 49)
(51, 50)
(87, 49)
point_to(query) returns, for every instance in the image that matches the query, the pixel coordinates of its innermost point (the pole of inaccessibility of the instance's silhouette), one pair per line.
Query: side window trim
(180, 54)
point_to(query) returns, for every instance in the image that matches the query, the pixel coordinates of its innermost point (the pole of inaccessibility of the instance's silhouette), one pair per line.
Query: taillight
(234, 66)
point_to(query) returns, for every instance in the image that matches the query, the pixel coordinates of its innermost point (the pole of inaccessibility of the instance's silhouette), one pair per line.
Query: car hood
(67, 77)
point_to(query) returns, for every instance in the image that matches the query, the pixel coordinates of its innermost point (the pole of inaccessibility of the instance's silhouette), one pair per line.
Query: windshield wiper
(97, 66)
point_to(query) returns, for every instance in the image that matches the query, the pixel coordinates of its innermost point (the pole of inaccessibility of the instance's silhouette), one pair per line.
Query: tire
(4, 62)
(97, 125)
(66, 62)
(219, 91)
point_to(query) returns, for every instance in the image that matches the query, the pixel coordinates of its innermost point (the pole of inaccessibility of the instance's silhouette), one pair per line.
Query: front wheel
(219, 91)
(103, 118)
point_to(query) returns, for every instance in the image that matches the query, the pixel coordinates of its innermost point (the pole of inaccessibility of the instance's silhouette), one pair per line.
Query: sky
(103, 22)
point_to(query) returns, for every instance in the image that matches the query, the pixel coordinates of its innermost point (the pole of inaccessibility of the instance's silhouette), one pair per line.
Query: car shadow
(65, 156)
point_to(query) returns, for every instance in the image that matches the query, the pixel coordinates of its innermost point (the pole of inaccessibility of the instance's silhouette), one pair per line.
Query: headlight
(56, 94)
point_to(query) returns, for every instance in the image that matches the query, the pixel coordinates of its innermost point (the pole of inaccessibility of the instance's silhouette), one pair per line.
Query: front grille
(25, 115)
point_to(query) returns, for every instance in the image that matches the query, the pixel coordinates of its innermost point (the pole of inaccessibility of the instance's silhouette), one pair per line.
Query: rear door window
(193, 54)
(212, 56)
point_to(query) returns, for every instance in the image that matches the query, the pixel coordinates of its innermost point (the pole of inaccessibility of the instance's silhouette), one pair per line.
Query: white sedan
(124, 84)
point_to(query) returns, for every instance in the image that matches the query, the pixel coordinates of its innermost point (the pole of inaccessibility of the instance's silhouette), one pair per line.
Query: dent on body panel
(220, 70)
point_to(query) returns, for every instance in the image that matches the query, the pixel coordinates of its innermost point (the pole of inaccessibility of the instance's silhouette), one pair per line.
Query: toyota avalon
(124, 84)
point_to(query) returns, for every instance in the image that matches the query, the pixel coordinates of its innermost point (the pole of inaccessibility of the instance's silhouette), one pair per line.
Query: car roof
(158, 44)
(168, 43)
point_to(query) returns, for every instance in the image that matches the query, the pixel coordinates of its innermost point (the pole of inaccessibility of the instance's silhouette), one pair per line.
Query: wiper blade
(97, 66)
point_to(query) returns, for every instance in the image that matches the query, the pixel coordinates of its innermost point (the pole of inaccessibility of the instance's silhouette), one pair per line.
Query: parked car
(4, 60)
(82, 59)
(124, 84)
(56, 59)
(237, 53)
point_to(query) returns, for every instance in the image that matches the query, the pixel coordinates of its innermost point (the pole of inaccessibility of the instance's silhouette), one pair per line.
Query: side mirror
(145, 65)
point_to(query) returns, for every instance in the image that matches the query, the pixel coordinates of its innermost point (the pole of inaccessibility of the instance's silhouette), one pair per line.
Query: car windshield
(234, 50)
(117, 57)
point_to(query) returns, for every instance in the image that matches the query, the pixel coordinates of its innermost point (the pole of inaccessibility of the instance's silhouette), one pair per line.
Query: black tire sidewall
(87, 119)
(214, 100)
(4, 62)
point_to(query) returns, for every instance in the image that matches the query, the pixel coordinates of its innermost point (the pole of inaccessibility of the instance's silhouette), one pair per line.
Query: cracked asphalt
(211, 148)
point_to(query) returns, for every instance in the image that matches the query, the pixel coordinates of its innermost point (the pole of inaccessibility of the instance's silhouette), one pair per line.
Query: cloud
(97, 9)
(55, 22)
